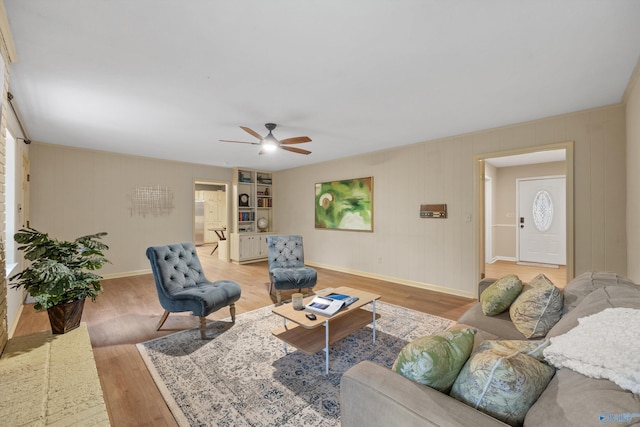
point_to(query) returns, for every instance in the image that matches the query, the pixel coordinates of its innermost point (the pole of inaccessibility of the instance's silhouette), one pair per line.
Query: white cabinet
(248, 247)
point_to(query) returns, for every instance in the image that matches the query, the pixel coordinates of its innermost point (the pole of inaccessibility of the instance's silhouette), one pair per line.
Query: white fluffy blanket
(603, 345)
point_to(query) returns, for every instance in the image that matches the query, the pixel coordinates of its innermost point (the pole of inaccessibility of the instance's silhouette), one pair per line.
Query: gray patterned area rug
(243, 377)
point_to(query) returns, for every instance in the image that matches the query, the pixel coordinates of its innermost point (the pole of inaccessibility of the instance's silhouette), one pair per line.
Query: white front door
(542, 220)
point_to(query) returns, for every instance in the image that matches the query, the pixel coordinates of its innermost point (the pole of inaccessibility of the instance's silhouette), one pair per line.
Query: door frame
(478, 202)
(488, 226)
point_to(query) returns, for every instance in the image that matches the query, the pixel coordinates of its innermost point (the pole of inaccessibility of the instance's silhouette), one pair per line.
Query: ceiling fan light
(270, 143)
(270, 146)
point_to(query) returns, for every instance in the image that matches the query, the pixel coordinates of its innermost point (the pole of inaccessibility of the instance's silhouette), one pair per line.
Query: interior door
(542, 220)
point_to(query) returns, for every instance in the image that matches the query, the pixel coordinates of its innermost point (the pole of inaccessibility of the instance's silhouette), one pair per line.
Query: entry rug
(242, 376)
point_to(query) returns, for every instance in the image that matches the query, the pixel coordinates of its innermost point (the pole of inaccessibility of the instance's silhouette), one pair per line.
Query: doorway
(494, 228)
(210, 213)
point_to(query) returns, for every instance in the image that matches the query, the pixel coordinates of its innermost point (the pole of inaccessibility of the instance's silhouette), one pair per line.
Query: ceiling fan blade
(240, 142)
(296, 150)
(251, 132)
(296, 140)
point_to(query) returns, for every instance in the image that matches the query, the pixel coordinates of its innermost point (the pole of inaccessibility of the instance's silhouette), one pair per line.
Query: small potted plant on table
(58, 277)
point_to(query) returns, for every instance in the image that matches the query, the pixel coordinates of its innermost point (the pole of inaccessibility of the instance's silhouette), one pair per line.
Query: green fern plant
(60, 271)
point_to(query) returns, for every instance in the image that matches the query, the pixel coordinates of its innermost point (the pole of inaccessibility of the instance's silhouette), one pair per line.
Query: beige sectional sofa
(373, 395)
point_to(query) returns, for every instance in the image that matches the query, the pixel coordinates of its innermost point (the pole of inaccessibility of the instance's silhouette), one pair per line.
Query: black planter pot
(65, 317)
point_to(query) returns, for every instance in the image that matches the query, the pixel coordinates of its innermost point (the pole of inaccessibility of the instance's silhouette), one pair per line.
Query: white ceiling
(168, 79)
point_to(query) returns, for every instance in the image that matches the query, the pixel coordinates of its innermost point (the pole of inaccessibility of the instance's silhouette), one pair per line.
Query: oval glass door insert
(542, 211)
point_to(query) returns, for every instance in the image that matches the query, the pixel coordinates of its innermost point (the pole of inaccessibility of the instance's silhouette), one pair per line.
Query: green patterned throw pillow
(435, 360)
(530, 348)
(499, 295)
(537, 308)
(501, 380)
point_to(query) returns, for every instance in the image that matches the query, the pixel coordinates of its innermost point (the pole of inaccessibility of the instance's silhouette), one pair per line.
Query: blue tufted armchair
(182, 286)
(286, 265)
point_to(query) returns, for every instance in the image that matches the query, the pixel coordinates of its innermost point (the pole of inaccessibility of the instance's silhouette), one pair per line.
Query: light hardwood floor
(558, 276)
(128, 310)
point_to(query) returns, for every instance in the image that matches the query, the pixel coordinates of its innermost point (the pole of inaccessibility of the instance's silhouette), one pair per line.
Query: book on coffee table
(324, 306)
(348, 300)
(328, 305)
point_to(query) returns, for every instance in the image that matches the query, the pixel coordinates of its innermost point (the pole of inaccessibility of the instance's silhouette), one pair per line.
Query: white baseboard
(538, 264)
(415, 284)
(502, 258)
(126, 274)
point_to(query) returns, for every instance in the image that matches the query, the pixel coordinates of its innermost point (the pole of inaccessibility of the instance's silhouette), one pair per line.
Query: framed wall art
(345, 205)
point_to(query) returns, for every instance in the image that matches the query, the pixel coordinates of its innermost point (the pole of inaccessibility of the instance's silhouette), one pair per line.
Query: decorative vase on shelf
(263, 224)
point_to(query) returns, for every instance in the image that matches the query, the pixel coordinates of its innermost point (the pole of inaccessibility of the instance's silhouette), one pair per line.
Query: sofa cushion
(571, 399)
(479, 337)
(537, 308)
(500, 325)
(435, 360)
(582, 285)
(607, 297)
(502, 382)
(499, 296)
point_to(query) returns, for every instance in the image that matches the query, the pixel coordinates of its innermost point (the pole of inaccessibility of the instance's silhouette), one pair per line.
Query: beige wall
(440, 254)
(633, 179)
(76, 192)
(504, 216)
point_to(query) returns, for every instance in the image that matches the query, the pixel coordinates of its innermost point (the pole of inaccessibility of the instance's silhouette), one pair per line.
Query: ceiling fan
(270, 143)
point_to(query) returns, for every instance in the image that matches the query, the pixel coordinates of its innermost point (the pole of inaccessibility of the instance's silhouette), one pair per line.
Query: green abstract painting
(345, 205)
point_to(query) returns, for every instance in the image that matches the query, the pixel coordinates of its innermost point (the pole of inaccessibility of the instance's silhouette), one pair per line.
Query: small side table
(220, 233)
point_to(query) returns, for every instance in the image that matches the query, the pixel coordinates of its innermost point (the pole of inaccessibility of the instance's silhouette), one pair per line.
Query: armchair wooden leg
(232, 309)
(278, 297)
(203, 327)
(162, 320)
